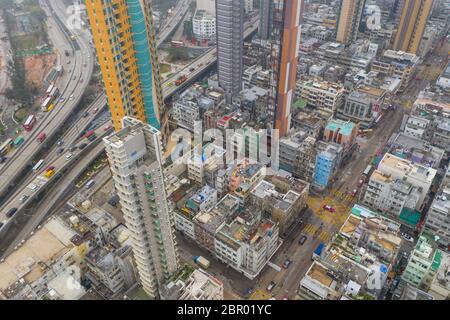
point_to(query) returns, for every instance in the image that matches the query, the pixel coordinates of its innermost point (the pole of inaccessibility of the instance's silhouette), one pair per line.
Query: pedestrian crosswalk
(313, 230)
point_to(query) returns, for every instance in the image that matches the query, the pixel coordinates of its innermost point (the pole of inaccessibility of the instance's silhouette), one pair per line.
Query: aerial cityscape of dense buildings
(225, 150)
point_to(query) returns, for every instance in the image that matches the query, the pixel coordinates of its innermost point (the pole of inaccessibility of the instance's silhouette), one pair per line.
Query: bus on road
(29, 123)
(47, 105)
(38, 165)
(367, 171)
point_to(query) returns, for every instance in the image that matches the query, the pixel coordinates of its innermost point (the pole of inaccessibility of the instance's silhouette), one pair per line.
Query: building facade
(230, 45)
(125, 42)
(412, 25)
(349, 19)
(135, 157)
(285, 44)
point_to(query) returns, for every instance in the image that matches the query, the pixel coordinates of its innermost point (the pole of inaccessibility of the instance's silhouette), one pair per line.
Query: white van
(90, 183)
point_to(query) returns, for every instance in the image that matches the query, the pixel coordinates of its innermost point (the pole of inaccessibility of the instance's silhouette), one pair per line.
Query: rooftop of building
(214, 218)
(407, 168)
(401, 56)
(416, 150)
(442, 201)
(344, 127)
(367, 93)
(32, 259)
(322, 85)
(237, 232)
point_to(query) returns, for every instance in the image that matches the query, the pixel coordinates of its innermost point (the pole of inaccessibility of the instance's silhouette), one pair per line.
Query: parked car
(302, 239)
(107, 127)
(271, 285)
(82, 146)
(407, 237)
(354, 192)
(287, 263)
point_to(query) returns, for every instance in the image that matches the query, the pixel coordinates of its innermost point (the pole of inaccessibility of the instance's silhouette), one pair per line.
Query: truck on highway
(180, 80)
(318, 251)
(202, 262)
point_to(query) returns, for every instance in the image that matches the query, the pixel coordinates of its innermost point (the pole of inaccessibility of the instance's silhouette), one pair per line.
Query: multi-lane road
(72, 86)
(179, 12)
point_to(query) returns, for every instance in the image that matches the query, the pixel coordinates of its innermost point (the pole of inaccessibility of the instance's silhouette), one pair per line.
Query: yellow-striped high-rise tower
(124, 38)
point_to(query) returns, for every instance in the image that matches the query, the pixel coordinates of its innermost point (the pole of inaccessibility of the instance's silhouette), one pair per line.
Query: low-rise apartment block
(357, 263)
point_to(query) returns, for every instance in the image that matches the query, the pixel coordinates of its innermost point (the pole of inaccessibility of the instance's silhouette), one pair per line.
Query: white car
(33, 187)
(72, 97)
(69, 156)
(407, 237)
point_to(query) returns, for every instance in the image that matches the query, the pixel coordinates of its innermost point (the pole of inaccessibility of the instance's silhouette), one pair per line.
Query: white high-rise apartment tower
(135, 158)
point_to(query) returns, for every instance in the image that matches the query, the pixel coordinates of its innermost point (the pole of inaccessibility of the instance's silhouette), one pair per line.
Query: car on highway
(60, 143)
(82, 146)
(328, 208)
(49, 174)
(303, 239)
(287, 263)
(360, 183)
(72, 97)
(1, 224)
(86, 114)
(354, 192)
(50, 168)
(2, 159)
(62, 100)
(95, 110)
(60, 151)
(92, 138)
(107, 127)
(72, 148)
(11, 212)
(33, 187)
(271, 286)
(23, 198)
(69, 156)
(407, 237)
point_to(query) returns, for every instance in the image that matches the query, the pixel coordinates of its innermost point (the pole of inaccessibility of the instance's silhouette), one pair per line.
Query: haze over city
(233, 150)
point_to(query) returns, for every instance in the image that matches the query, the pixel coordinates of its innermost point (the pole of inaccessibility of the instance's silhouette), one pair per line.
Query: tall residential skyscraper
(265, 21)
(230, 45)
(412, 25)
(285, 43)
(124, 38)
(349, 19)
(135, 158)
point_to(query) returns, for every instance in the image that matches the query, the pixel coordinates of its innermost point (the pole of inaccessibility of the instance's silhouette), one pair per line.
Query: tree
(188, 30)
(176, 54)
